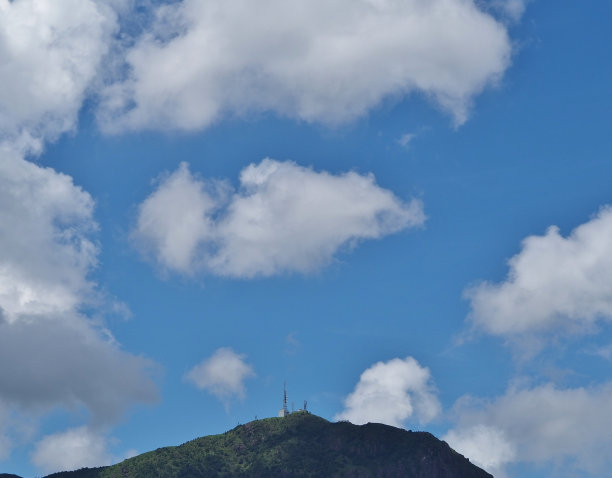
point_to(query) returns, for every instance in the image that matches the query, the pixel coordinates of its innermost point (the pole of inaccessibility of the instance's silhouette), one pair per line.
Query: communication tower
(283, 412)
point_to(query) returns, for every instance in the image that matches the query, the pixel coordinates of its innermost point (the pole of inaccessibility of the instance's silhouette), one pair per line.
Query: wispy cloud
(406, 139)
(511, 9)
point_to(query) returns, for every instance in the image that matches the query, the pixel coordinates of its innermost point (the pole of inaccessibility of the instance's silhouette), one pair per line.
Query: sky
(401, 208)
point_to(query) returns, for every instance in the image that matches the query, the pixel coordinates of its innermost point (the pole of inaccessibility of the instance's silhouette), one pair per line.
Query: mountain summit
(298, 445)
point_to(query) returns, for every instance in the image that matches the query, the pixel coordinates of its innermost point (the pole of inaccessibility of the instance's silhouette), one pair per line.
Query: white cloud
(485, 446)
(283, 218)
(72, 449)
(555, 283)
(50, 56)
(50, 52)
(46, 245)
(176, 220)
(323, 61)
(47, 251)
(392, 392)
(545, 425)
(223, 374)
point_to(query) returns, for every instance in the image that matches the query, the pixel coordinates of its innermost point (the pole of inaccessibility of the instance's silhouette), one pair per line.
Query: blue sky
(400, 208)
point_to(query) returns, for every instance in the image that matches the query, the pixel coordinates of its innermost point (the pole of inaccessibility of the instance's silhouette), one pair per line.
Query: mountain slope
(300, 445)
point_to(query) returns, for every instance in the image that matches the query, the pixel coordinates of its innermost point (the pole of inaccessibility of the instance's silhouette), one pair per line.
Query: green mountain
(300, 445)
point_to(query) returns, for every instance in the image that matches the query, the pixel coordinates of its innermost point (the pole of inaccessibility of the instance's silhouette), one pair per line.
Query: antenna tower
(285, 398)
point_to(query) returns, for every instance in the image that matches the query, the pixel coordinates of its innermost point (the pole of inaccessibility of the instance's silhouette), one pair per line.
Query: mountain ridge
(299, 445)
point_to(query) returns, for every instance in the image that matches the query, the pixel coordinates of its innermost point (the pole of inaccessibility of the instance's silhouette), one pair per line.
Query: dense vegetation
(300, 445)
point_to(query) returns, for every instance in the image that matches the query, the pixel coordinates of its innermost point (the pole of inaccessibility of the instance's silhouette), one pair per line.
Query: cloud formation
(71, 450)
(283, 218)
(105, 380)
(50, 57)
(392, 392)
(50, 52)
(196, 63)
(47, 251)
(223, 374)
(555, 284)
(46, 248)
(486, 446)
(320, 61)
(544, 425)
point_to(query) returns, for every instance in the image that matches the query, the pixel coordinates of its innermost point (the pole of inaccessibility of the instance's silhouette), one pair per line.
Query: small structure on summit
(283, 412)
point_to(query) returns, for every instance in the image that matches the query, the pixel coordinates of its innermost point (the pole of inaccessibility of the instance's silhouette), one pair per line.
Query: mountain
(299, 445)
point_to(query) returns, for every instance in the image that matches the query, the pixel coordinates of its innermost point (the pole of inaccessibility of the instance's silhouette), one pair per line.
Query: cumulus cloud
(50, 52)
(319, 61)
(284, 217)
(568, 428)
(176, 220)
(487, 447)
(52, 354)
(46, 245)
(555, 283)
(392, 392)
(223, 374)
(72, 449)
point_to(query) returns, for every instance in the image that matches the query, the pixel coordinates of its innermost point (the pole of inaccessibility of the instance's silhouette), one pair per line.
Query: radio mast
(283, 412)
